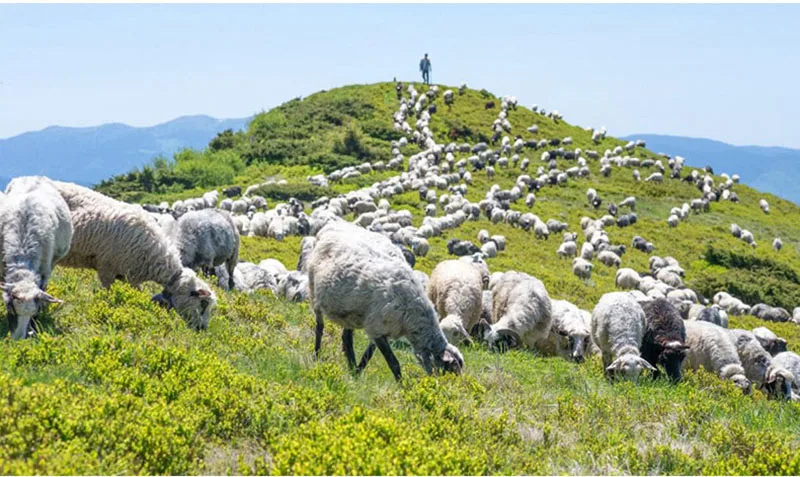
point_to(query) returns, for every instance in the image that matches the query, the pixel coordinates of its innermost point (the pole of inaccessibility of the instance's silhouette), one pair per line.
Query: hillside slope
(771, 169)
(115, 384)
(87, 155)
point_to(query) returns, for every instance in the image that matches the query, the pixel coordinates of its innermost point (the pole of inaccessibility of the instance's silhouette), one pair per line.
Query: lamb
(35, 233)
(618, 327)
(627, 279)
(569, 334)
(769, 340)
(456, 288)
(711, 347)
(120, 241)
(207, 238)
(521, 312)
(581, 268)
(609, 259)
(664, 339)
(359, 279)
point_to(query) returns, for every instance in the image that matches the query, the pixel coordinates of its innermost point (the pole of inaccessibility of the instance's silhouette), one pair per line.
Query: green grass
(117, 385)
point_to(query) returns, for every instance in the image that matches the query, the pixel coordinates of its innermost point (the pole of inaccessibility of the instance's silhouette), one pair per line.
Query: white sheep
(777, 244)
(587, 251)
(121, 241)
(205, 239)
(769, 340)
(489, 249)
(35, 233)
(456, 287)
(247, 278)
(618, 326)
(306, 247)
(627, 279)
(567, 249)
(274, 267)
(521, 312)
(293, 286)
(790, 362)
(581, 268)
(711, 347)
(359, 279)
(673, 220)
(569, 335)
(609, 258)
(764, 205)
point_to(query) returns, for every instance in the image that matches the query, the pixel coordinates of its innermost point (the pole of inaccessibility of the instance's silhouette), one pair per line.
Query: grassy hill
(117, 385)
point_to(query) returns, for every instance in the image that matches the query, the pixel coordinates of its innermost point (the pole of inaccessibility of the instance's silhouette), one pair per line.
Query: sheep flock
(357, 258)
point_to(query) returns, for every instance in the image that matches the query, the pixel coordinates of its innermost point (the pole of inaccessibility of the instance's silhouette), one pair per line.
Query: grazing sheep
(769, 340)
(293, 286)
(456, 289)
(664, 339)
(489, 249)
(274, 267)
(776, 382)
(777, 244)
(500, 240)
(673, 220)
(247, 278)
(582, 268)
(120, 241)
(627, 279)
(352, 273)
(587, 251)
(306, 247)
(207, 238)
(770, 313)
(483, 236)
(461, 248)
(764, 205)
(35, 233)
(711, 347)
(521, 312)
(609, 259)
(569, 335)
(618, 326)
(754, 358)
(567, 249)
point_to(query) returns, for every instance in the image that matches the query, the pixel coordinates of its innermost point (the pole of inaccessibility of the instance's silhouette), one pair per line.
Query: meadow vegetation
(115, 384)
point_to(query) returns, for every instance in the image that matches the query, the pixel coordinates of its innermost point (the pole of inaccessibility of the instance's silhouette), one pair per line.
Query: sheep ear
(647, 365)
(203, 293)
(49, 298)
(481, 329)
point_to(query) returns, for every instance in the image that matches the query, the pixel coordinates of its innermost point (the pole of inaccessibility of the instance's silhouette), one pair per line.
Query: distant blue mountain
(89, 155)
(769, 169)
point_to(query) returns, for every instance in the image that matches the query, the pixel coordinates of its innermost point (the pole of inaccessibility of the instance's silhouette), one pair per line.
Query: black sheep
(489, 105)
(232, 191)
(664, 339)
(612, 209)
(596, 202)
(461, 248)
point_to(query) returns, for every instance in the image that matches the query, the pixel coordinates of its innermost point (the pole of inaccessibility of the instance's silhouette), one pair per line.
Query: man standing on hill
(425, 67)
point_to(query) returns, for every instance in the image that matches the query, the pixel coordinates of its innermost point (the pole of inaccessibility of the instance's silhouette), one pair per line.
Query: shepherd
(425, 67)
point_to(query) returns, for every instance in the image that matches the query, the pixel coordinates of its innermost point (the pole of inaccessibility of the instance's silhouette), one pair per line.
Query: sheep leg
(347, 347)
(365, 358)
(318, 332)
(388, 355)
(231, 265)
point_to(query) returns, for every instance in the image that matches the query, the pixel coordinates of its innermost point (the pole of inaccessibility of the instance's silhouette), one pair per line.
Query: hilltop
(86, 155)
(115, 384)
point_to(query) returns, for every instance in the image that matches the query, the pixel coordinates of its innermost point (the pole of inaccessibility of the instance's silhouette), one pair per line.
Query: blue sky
(727, 72)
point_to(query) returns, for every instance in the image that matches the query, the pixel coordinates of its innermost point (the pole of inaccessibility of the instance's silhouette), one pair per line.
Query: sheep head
(672, 355)
(191, 297)
(454, 330)
(629, 366)
(778, 384)
(23, 301)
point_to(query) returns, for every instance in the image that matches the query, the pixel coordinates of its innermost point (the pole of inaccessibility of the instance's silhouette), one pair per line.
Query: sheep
(754, 358)
(567, 249)
(629, 202)
(483, 236)
(456, 289)
(764, 205)
(120, 241)
(627, 279)
(569, 334)
(747, 237)
(711, 347)
(769, 313)
(351, 274)
(500, 240)
(777, 244)
(207, 238)
(247, 278)
(521, 312)
(461, 248)
(35, 233)
(656, 177)
(777, 383)
(581, 268)
(664, 340)
(769, 340)
(293, 286)
(587, 251)
(306, 247)
(608, 258)
(274, 267)
(618, 326)
(670, 278)
(540, 230)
